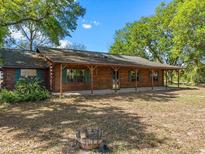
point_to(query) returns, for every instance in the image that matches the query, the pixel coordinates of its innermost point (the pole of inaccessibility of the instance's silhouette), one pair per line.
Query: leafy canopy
(54, 18)
(173, 35)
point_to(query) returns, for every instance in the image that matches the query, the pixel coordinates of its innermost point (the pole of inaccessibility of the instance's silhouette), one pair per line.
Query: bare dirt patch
(159, 122)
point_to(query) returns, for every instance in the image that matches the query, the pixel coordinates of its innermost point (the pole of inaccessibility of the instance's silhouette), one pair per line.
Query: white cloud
(87, 26)
(64, 44)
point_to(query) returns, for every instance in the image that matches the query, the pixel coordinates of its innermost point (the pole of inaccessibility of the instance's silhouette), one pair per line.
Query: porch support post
(166, 78)
(115, 80)
(171, 77)
(178, 78)
(115, 70)
(136, 75)
(152, 79)
(61, 81)
(51, 76)
(91, 68)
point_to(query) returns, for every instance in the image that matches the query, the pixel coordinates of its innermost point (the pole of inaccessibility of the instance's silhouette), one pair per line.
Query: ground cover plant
(26, 89)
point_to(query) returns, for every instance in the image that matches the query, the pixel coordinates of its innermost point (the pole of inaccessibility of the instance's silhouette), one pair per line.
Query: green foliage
(27, 89)
(173, 35)
(53, 19)
(9, 96)
(3, 33)
(31, 89)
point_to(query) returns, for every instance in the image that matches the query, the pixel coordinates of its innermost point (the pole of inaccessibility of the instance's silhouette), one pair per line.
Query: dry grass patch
(168, 122)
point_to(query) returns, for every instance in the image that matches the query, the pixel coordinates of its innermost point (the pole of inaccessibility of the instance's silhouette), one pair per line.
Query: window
(77, 76)
(132, 76)
(28, 72)
(155, 75)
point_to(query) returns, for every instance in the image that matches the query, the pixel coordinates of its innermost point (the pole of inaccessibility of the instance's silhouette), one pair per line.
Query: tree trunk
(31, 45)
(31, 38)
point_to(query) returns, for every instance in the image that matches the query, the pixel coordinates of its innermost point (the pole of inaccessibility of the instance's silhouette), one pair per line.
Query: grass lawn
(159, 122)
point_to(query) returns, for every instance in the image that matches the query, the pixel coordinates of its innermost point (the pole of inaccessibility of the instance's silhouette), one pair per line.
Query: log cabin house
(63, 70)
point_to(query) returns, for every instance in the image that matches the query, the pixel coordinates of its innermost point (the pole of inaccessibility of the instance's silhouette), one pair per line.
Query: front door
(115, 79)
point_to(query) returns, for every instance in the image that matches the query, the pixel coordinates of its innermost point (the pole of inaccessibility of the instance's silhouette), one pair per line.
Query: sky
(103, 17)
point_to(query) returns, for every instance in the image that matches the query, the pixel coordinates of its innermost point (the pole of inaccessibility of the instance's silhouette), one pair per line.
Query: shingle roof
(87, 57)
(14, 58)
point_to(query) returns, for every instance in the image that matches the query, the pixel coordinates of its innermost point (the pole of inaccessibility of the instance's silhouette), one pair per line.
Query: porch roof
(70, 56)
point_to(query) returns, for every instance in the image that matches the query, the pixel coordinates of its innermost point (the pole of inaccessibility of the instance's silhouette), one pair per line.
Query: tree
(78, 46)
(53, 19)
(173, 35)
(3, 33)
(68, 45)
(142, 38)
(26, 36)
(189, 30)
(127, 40)
(150, 37)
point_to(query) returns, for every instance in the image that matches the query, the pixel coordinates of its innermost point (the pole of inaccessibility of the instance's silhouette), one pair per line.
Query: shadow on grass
(55, 123)
(152, 96)
(201, 85)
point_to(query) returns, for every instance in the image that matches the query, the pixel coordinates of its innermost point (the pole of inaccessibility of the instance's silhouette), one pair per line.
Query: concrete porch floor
(110, 91)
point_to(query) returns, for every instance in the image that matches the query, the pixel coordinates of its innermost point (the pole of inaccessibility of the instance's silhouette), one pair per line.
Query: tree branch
(47, 13)
(24, 32)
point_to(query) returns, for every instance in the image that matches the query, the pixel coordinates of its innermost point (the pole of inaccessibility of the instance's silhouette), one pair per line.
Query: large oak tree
(53, 19)
(173, 35)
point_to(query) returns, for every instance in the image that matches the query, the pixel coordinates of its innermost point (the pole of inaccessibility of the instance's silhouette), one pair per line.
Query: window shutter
(64, 74)
(18, 74)
(150, 75)
(40, 74)
(159, 75)
(87, 76)
(129, 75)
(141, 77)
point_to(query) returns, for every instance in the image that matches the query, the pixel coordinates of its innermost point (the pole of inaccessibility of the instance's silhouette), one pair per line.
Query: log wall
(103, 78)
(9, 78)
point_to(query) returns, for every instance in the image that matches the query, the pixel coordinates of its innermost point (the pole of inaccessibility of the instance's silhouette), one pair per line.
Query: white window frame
(28, 72)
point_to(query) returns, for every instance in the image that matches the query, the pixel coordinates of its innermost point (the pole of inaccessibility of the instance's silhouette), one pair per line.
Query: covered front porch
(117, 80)
(110, 91)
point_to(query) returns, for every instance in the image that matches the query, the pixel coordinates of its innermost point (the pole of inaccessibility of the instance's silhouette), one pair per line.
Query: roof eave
(123, 65)
(25, 67)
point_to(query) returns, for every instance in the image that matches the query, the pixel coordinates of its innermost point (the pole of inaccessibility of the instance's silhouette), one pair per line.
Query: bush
(8, 96)
(26, 89)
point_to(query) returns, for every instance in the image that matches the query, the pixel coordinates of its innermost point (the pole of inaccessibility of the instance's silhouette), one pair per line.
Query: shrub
(9, 96)
(26, 89)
